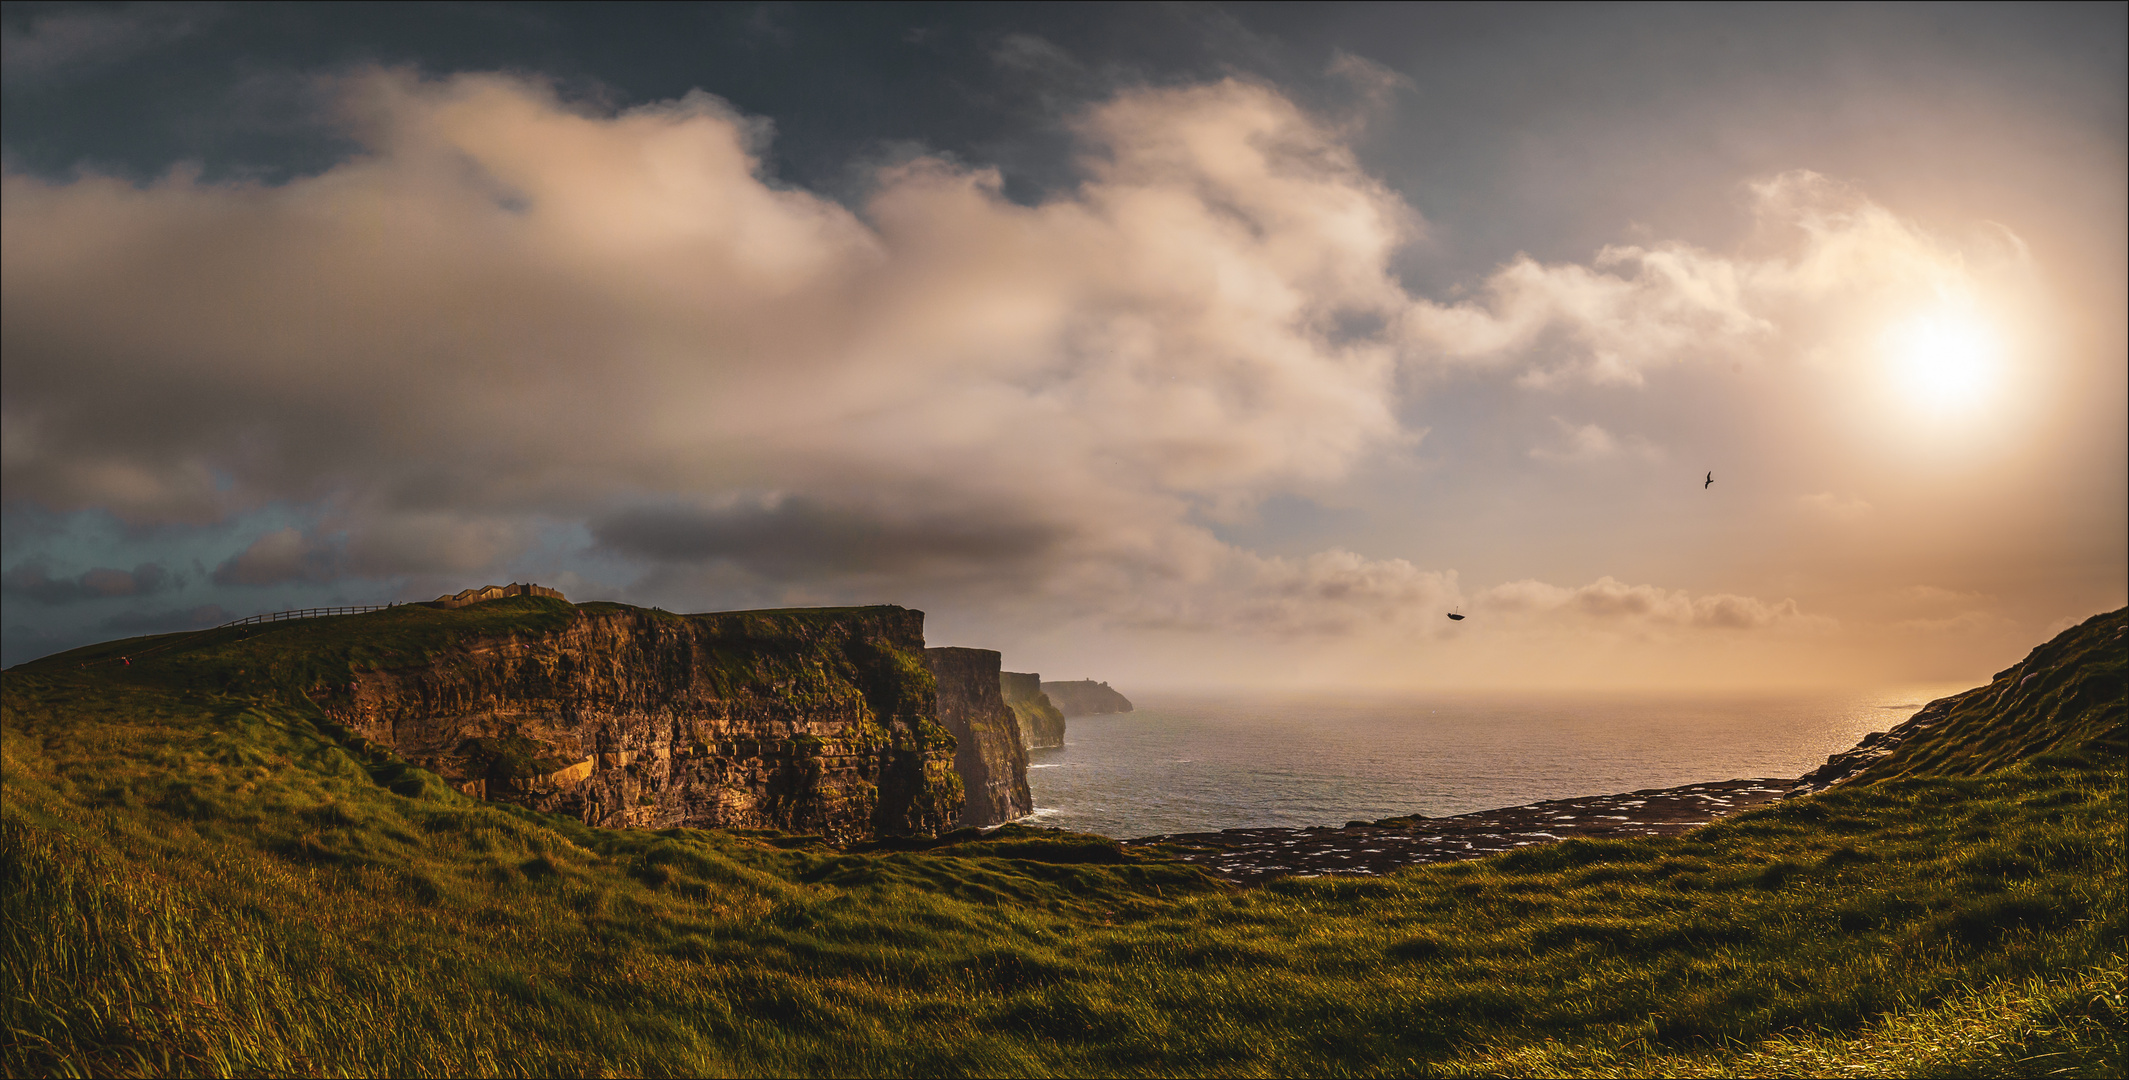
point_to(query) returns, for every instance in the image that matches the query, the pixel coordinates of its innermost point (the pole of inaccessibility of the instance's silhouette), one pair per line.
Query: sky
(1174, 345)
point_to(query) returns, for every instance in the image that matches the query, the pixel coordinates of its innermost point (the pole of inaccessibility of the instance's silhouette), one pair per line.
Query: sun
(1945, 360)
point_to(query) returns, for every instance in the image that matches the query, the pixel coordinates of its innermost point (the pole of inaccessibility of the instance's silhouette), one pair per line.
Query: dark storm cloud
(801, 537)
(31, 580)
(74, 42)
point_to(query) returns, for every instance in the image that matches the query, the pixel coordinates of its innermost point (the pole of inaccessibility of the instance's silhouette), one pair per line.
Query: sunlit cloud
(1842, 263)
(1608, 600)
(1590, 442)
(511, 311)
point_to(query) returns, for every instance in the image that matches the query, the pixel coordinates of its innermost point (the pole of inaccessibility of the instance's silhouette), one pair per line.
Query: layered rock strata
(1085, 697)
(814, 721)
(989, 756)
(1042, 724)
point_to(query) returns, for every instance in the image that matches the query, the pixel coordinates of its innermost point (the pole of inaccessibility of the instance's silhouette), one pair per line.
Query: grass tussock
(194, 881)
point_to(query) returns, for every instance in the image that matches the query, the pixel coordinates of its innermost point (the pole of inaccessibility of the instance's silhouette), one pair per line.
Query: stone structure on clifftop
(990, 757)
(1042, 724)
(813, 721)
(494, 592)
(1086, 698)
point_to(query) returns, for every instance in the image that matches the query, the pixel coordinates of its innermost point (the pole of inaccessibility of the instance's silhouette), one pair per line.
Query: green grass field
(201, 876)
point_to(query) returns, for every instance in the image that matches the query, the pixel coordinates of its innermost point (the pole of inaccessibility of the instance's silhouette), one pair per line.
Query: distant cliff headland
(1086, 697)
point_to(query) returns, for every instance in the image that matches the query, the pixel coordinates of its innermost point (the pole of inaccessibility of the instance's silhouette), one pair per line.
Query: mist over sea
(1199, 763)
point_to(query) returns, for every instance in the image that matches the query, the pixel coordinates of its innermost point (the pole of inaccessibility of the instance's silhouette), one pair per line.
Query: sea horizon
(1201, 761)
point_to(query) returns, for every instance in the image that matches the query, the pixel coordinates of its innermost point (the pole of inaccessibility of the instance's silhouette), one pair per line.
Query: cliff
(2066, 695)
(1086, 698)
(818, 721)
(1042, 724)
(989, 756)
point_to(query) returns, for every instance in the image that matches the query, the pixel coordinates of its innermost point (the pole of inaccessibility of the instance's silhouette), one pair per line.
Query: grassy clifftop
(199, 879)
(2065, 695)
(304, 655)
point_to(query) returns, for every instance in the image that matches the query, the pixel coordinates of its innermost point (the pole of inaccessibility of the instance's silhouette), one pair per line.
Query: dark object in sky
(1456, 617)
(1710, 480)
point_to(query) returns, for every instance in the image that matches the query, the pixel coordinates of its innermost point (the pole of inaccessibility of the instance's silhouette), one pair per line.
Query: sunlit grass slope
(2066, 693)
(200, 875)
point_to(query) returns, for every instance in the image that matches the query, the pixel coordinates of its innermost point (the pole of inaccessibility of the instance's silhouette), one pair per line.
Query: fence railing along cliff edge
(469, 596)
(304, 613)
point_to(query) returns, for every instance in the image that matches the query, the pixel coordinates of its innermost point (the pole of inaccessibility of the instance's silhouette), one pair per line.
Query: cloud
(1608, 600)
(1329, 593)
(32, 580)
(797, 537)
(281, 557)
(1838, 508)
(512, 306)
(1965, 622)
(512, 312)
(1589, 442)
(72, 41)
(1838, 258)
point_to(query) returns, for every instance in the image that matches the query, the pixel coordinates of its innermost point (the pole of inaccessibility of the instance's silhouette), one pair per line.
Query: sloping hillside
(201, 874)
(2066, 695)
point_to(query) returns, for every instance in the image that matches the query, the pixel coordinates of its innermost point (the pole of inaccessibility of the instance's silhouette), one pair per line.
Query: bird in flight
(1704, 484)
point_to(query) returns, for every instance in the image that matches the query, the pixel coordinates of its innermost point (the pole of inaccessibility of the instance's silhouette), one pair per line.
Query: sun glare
(1945, 360)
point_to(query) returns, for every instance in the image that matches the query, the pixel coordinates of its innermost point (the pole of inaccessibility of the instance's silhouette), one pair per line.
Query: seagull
(1704, 484)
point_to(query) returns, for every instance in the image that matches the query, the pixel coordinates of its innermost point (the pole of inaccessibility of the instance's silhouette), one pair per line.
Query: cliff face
(819, 721)
(1086, 698)
(991, 759)
(1042, 724)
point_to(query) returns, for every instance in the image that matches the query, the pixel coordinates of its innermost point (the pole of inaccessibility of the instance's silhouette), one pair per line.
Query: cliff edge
(989, 756)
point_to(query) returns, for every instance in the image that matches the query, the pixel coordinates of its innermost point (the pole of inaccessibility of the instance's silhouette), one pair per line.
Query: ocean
(1200, 763)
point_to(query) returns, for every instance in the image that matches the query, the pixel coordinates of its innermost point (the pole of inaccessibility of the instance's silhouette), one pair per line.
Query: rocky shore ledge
(1379, 847)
